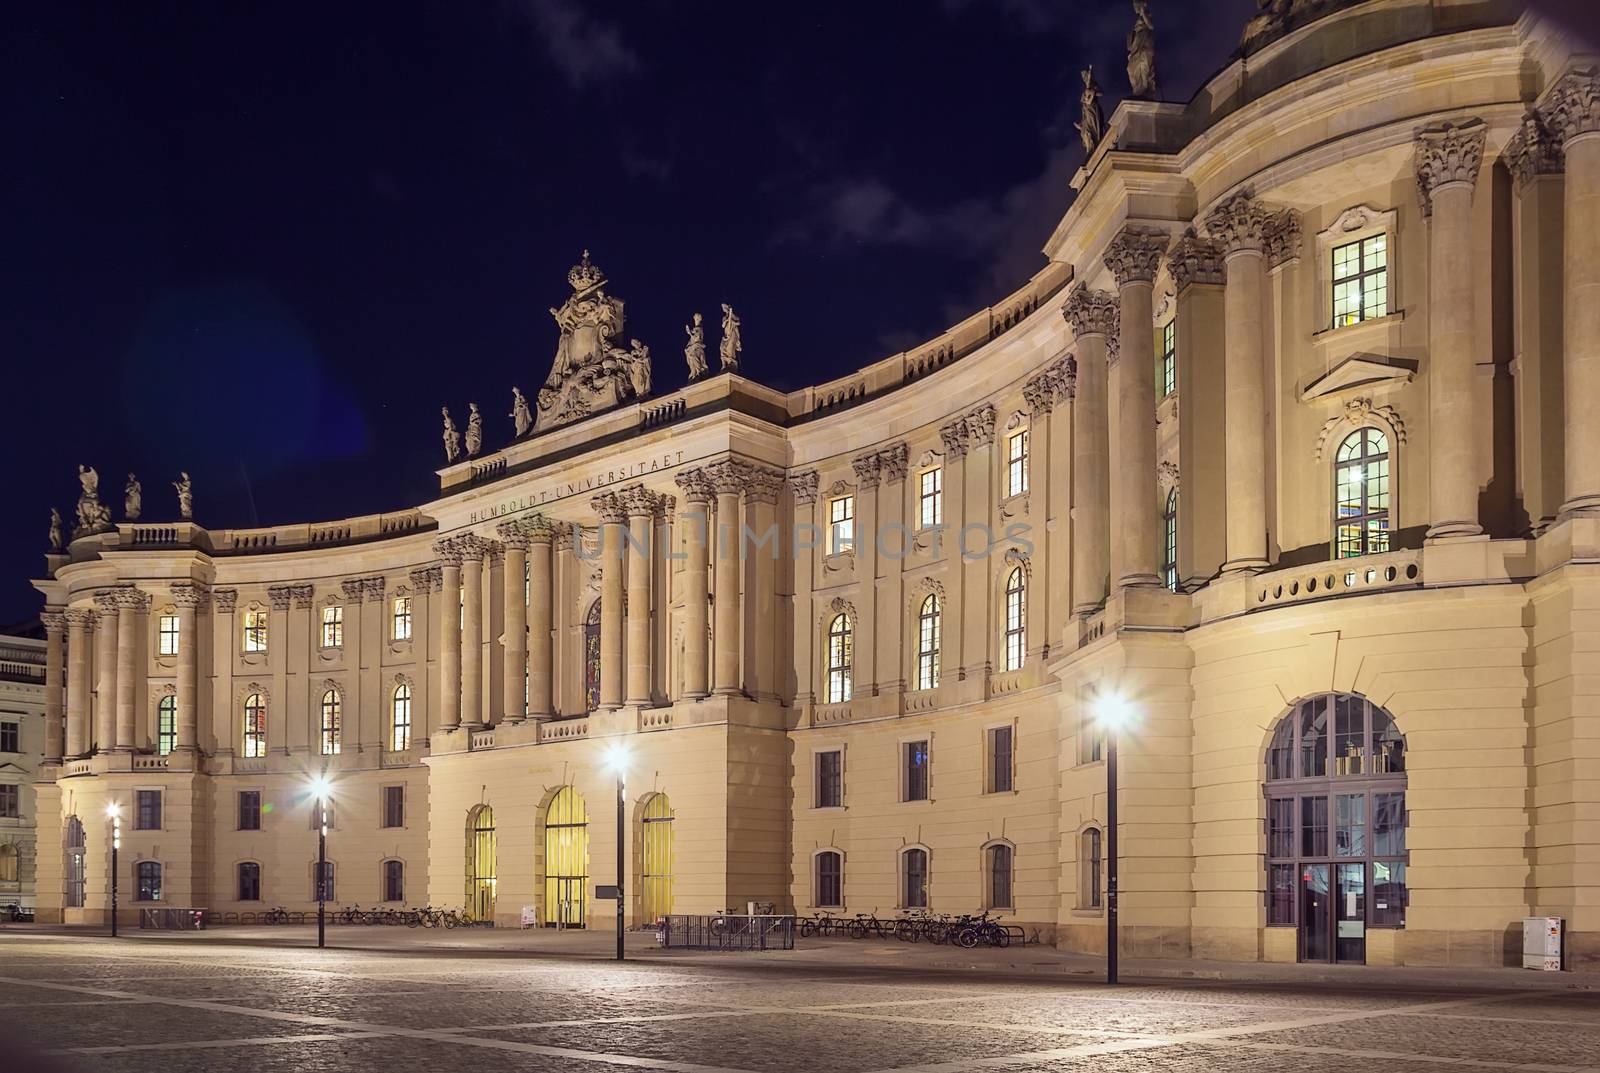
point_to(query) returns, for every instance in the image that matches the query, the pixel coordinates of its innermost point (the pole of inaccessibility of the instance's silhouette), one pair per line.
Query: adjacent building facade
(1290, 453)
(22, 662)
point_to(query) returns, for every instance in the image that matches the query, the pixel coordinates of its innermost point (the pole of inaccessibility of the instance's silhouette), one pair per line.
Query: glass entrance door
(1350, 914)
(1316, 913)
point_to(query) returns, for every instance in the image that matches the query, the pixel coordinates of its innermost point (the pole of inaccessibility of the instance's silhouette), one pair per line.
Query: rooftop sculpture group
(93, 516)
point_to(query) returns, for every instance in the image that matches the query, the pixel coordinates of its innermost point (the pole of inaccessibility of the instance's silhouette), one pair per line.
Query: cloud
(867, 211)
(586, 50)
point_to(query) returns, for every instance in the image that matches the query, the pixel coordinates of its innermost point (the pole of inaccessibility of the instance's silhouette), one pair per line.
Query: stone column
(803, 487)
(728, 479)
(613, 518)
(1574, 117)
(473, 550)
(1133, 257)
(1240, 224)
(1040, 394)
(54, 623)
(761, 607)
(1092, 316)
(541, 534)
(640, 505)
(79, 620)
(697, 492)
(131, 603)
(516, 595)
(1448, 157)
(105, 657)
(189, 598)
(449, 633)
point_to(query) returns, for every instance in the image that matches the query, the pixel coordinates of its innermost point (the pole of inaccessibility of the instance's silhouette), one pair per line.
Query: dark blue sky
(265, 242)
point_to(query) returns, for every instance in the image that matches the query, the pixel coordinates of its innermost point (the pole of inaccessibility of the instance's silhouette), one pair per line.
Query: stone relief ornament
(521, 414)
(57, 542)
(590, 374)
(132, 499)
(474, 430)
(1092, 127)
(732, 341)
(694, 351)
(1359, 412)
(185, 490)
(93, 516)
(1142, 52)
(452, 438)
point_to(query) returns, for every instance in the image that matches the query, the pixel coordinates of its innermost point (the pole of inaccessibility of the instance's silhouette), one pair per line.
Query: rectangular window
(10, 737)
(318, 812)
(402, 618)
(1350, 834)
(841, 524)
(1388, 894)
(147, 811)
(10, 801)
(1280, 827)
(930, 498)
(167, 636)
(1313, 826)
(916, 767)
(1280, 894)
(394, 881)
(333, 627)
(394, 806)
(1167, 365)
(149, 881)
(1017, 463)
(249, 882)
(255, 631)
(249, 810)
(830, 779)
(1389, 825)
(830, 885)
(1000, 761)
(1360, 280)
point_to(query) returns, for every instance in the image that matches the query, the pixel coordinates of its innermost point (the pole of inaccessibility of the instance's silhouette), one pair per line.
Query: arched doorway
(482, 855)
(656, 865)
(566, 859)
(1336, 825)
(76, 876)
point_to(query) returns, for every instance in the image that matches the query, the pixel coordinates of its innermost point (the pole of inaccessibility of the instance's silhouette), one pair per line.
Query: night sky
(265, 242)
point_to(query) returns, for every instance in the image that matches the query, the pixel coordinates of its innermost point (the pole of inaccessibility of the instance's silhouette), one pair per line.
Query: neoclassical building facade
(1292, 447)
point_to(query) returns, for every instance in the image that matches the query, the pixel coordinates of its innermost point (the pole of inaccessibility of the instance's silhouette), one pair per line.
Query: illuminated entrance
(566, 859)
(481, 858)
(656, 871)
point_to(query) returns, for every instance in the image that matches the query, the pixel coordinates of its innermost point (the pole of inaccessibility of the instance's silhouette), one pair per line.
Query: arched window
(997, 877)
(76, 874)
(147, 877)
(566, 859)
(167, 725)
(591, 657)
(255, 726)
(1016, 619)
(914, 878)
(482, 853)
(840, 655)
(1361, 494)
(1336, 825)
(332, 722)
(830, 879)
(394, 881)
(928, 638)
(1169, 541)
(400, 739)
(249, 881)
(1090, 868)
(8, 864)
(657, 858)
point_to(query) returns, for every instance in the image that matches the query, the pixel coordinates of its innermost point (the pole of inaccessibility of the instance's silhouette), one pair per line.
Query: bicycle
(278, 915)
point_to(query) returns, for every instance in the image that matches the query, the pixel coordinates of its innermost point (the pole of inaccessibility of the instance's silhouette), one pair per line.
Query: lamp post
(617, 764)
(114, 812)
(1113, 714)
(321, 788)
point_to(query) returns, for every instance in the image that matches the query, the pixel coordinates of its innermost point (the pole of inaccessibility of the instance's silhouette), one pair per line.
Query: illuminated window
(928, 639)
(333, 627)
(841, 524)
(401, 739)
(1167, 358)
(1017, 463)
(8, 863)
(657, 857)
(839, 657)
(1016, 619)
(166, 725)
(1360, 280)
(255, 726)
(332, 722)
(482, 861)
(402, 618)
(1169, 541)
(1361, 494)
(930, 498)
(255, 631)
(147, 875)
(167, 636)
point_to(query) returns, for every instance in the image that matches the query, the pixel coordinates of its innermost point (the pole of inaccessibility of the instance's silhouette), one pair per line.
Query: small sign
(530, 916)
(607, 892)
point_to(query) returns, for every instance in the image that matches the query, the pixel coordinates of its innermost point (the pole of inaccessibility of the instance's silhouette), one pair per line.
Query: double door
(1333, 912)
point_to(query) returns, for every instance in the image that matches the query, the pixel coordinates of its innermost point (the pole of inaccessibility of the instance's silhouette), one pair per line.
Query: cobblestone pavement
(171, 1006)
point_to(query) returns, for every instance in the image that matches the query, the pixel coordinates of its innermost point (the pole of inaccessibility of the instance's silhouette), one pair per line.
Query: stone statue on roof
(1142, 53)
(1092, 127)
(132, 499)
(521, 415)
(452, 438)
(694, 351)
(732, 339)
(590, 373)
(474, 430)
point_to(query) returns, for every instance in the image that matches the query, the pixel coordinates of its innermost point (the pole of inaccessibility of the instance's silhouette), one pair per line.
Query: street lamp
(114, 814)
(320, 789)
(1113, 713)
(616, 762)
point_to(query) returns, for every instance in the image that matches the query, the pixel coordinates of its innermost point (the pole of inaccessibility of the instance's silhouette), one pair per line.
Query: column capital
(610, 508)
(1239, 223)
(427, 579)
(54, 619)
(1135, 254)
(803, 486)
(1283, 238)
(190, 594)
(1572, 107)
(972, 429)
(696, 485)
(225, 599)
(458, 549)
(1195, 260)
(279, 596)
(1065, 374)
(107, 600)
(540, 528)
(637, 501)
(78, 618)
(448, 551)
(895, 460)
(513, 534)
(1039, 392)
(372, 588)
(764, 485)
(134, 599)
(1447, 153)
(1533, 150)
(728, 476)
(868, 469)
(1091, 312)
(352, 590)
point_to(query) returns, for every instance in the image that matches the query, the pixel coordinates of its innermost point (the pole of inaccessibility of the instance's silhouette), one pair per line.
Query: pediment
(1360, 371)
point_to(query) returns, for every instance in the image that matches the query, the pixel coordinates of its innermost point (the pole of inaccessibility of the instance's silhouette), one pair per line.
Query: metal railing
(165, 919)
(727, 931)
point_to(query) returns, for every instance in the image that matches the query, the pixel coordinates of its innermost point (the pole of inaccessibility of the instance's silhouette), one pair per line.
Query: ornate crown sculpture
(585, 274)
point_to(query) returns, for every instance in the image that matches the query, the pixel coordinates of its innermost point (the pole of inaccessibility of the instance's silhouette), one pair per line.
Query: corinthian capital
(1040, 392)
(79, 618)
(513, 534)
(1239, 223)
(1283, 238)
(696, 485)
(1135, 254)
(1193, 259)
(53, 619)
(189, 594)
(1533, 150)
(1091, 312)
(868, 467)
(609, 506)
(1447, 153)
(226, 600)
(1573, 105)
(763, 486)
(279, 596)
(639, 502)
(803, 486)
(728, 476)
